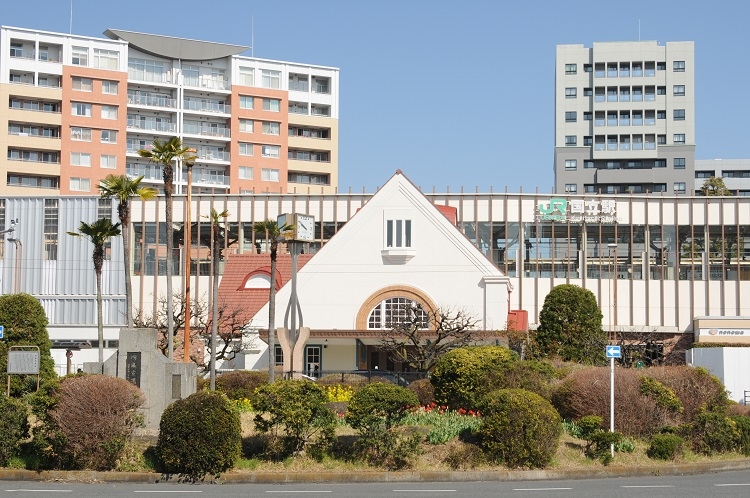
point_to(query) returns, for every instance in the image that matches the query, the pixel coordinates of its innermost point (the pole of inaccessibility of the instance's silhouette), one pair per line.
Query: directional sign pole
(612, 401)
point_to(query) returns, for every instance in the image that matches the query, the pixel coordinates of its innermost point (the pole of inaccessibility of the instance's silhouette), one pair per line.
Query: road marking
(644, 486)
(302, 491)
(39, 490)
(541, 489)
(424, 490)
(168, 491)
(740, 484)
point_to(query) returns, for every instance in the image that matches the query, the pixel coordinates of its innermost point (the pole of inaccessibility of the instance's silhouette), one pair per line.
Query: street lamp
(18, 262)
(188, 243)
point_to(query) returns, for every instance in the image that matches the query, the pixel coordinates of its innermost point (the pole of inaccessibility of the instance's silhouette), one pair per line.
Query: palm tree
(98, 233)
(165, 153)
(217, 242)
(273, 232)
(123, 189)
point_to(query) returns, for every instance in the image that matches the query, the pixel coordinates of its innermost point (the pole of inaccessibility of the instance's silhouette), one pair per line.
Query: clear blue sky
(454, 93)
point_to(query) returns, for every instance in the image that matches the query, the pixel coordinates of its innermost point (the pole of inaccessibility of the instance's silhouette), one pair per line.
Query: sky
(456, 94)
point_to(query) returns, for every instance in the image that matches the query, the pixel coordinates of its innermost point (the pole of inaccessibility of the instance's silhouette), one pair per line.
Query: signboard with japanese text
(559, 209)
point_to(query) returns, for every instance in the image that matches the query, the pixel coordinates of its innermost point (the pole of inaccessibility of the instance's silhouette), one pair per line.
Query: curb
(83, 476)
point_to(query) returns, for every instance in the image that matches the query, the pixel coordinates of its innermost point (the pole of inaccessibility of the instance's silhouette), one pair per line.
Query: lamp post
(188, 243)
(18, 263)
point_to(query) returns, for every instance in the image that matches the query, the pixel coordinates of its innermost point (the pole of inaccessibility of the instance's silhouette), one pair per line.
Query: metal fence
(356, 377)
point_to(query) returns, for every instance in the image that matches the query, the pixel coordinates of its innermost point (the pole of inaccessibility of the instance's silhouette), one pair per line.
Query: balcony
(208, 177)
(213, 155)
(149, 171)
(207, 83)
(147, 125)
(152, 101)
(205, 106)
(192, 128)
(149, 77)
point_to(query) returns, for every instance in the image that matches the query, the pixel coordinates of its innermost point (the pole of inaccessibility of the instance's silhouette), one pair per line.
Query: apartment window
(571, 188)
(599, 70)
(637, 94)
(398, 233)
(80, 185)
(663, 115)
(109, 112)
(297, 108)
(571, 164)
(246, 149)
(588, 68)
(109, 87)
(246, 76)
(599, 94)
(571, 92)
(588, 116)
(247, 102)
(637, 69)
(51, 226)
(571, 116)
(613, 164)
(270, 78)
(612, 118)
(269, 175)
(660, 163)
(80, 159)
(612, 94)
(271, 151)
(107, 161)
(661, 66)
(588, 92)
(246, 173)
(80, 134)
(83, 84)
(109, 136)
(661, 90)
(637, 142)
(299, 82)
(271, 128)
(247, 125)
(320, 85)
(273, 105)
(588, 141)
(637, 118)
(81, 109)
(624, 94)
(80, 56)
(320, 110)
(599, 118)
(679, 114)
(570, 140)
(571, 68)
(589, 189)
(705, 174)
(624, 70)
(661, 139)
(679, 187)
(650, 118)
(624, 118)
(679, 90)
(611, 70)
(659, 187)
(679, 138)
(649, 72)
(106, 59)
(679, 163)
(611, 142)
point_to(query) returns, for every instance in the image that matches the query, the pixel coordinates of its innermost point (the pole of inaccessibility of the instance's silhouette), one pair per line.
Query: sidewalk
(382, 476)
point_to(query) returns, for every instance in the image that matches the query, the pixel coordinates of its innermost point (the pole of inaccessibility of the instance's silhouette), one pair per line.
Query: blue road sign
(613, 351)
(2, 332)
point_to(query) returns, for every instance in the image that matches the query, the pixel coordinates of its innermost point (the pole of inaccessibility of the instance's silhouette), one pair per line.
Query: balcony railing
(207, 178)
(137, 75)
(213, 155)
(207, 131)
(152, 100)
(210, 84)
(152, 126)
(197, 105)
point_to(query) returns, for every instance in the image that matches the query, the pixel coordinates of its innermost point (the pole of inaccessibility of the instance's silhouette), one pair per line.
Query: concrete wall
(730, 365)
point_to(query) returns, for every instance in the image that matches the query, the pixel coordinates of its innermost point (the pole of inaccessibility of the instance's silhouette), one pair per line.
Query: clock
(303, 226)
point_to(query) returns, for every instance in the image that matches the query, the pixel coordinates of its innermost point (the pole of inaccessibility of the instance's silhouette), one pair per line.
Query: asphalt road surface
(729, 484)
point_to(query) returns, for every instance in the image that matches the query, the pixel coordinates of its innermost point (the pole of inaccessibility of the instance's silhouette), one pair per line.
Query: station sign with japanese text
(563, 210)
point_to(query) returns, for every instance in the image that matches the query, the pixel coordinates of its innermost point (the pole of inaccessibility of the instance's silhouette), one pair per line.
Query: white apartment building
(625, 118)
(79, 108)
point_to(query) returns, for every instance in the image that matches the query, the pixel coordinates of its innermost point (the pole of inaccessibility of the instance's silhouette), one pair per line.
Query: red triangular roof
(241, 266)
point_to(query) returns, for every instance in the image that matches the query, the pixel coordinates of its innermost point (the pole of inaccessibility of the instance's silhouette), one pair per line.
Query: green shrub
(464, 456)
(444, 425)
(199, 435)
(519, 428)
(375, 412)
(424, 391)
(743, 427)
(240, 384)
(294, 415)
(665, 447)
(459, 376)
(598, 441)
(664, 396)
(14, 427)
(712, 432)
(532, 375)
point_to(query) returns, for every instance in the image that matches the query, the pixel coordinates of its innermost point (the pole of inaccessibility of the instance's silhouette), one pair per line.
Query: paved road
(723, 484)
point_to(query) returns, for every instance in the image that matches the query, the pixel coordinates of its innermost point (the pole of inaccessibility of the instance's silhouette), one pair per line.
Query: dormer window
(398, 233)
(397, 236)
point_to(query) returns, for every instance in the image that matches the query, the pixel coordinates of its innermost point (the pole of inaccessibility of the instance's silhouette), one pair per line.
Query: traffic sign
(613, 351)
(2, 332)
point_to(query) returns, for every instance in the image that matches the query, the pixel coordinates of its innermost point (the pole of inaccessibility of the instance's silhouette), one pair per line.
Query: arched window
(394, 311)
(258, 281)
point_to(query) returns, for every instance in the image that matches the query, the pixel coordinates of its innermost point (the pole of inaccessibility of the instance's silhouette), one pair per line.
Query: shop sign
(724, 332)
(560, 209)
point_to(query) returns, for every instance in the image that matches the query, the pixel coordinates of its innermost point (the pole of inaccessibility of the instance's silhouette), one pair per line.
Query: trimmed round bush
(459, 376)
(96, 416)
(519, 428)
(240, 384)
(14, 427)
(532, 375)
(665, 447)
(199, 435)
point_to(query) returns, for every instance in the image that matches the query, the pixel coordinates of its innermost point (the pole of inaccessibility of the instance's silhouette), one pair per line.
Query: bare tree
(419, 338)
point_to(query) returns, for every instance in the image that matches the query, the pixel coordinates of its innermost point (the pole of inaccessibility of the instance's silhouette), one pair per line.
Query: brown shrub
(424, 391)
(586, 392)
(736, 409)
(240, 384)
(97, 415)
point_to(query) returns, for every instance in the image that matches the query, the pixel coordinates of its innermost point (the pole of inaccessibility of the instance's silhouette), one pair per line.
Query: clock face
(305, 227)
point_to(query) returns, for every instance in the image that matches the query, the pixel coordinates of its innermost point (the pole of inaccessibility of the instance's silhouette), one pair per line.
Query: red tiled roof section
(240, 266)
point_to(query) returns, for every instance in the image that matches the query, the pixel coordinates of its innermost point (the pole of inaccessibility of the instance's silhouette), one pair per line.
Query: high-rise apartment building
(80, 108)
(625, 118)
